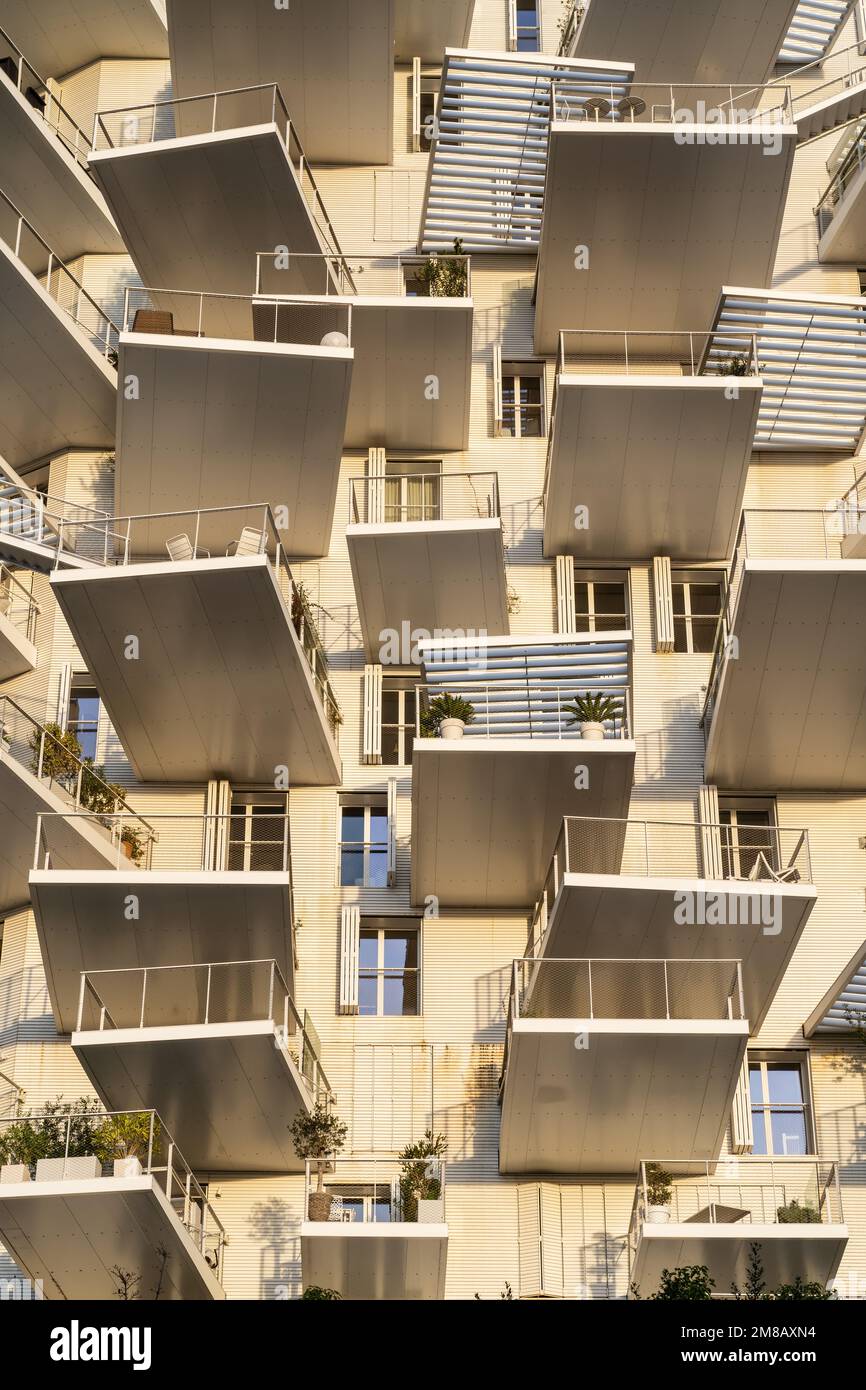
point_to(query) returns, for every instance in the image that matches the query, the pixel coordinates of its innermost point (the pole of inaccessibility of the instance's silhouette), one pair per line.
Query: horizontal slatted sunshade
(812, 360)
(485, 181)
(813, 28)
(843, 1008)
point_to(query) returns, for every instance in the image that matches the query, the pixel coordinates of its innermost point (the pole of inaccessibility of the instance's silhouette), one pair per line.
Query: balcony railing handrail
(699, 362)
(734, 998)
(580, 89)
(253, 300)
(852, 164)
(386, 1172)
(375, 484)
(343, 270)
(56, 104)
(552, 690)
(32, 608)
(117, 821)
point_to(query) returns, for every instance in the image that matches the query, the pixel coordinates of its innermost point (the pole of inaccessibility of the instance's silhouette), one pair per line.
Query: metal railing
(57, 280)
(740, 106)
(523, 709)
(853, 75)
(28, 515)
(17, 604)
(779, 533)
(118, 1135)
(433, 276)
(39, 96)
(233, 842)
(208, 994)
(240, 317)
(628, 989)
(407, 497)
(738, 1193)
(680, 353)
(372, 1190)
(848, 171)
(234, 109)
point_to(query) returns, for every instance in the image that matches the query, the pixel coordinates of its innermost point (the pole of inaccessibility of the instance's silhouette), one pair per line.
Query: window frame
(687, 579)
(373, 850)
(795, 1061)
(82, 686)
(402, 471)
(732, 850)
(591, 577)
(520, 31)
(381, 926)
(516, 370)
(401, 684)
(247, 805)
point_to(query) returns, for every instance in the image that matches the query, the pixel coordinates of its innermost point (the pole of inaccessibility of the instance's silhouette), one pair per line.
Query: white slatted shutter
(711, 835)
(372, 714)
(416, 105)
(64, 690)
(375, 487)
(497, 389)
(218, 802)
(350, 936)
(566, 619)
(528, 1241)
(512, 26)
(539, 1238)
(664, 604)
(392, 832)
(742, 1134)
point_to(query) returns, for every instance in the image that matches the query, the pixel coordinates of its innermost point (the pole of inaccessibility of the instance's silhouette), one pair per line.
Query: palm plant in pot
(318, 1136)
(125, 1139)
(447, 716)
(421, 1175)
(590, 711)
(659, 1191)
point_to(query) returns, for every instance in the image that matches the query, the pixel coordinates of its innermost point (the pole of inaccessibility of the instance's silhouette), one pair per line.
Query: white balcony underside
(425, 30)
(667, 224)
(811, 1251)
(434, 574)
(72, 1234)
(221, 687)
(634, 1086)
(790, 713)
(185, 917)
(845, 238)
(17, 653)
(48, 185)
(227, 1092)
(688, 40)
(22, 798)
(60, 36)
(221, 423)
(830, 111)
(599, 915)
(486, 812)
(56, 391)
(35, 555)
(660, 462)
(393, 1261)
(194, 211)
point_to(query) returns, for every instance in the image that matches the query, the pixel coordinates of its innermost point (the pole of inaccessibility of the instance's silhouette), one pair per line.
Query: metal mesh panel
(628, 989)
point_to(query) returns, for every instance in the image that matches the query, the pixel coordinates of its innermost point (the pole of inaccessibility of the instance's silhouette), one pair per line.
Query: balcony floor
(812, 1252)
(393, 1261)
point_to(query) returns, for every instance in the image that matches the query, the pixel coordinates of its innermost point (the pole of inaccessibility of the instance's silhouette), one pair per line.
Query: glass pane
(352, 868)
(706, 598)
(530, 423)
(353, 823)
(400, 995)
(610, 598)
(390, 706)
(679, 597)
(409, 708)
(378, 826)
(367, 995)
(785, 1083)
(704, 634)
(760, 1132)
(530, 390)
(391, 747)
(681, 641)
(368, 949)
(581, 600)
(789, 1132)
(401, 949)
(378, 869)
(382, 1209)
(755, 1085)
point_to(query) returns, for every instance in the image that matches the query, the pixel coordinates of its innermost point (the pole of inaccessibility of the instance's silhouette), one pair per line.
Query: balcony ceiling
(221, 687)
(667, 224)
(811, 1251)
(434, 574)
(392, 1261)
(185, 918)
(637, 1087)
(220, 423)
(56, 391)
(424, 31)
(61, 36)
(660, 461)
(226, 1091)
(599, 915)
(72, 1234)
(790, 713)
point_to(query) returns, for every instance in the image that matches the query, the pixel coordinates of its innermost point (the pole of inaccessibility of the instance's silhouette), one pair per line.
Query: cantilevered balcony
(832, 101)
(426, 549)
(31, 524)
(606, 1057)
(177, 890)
(220, 1049)
(61, 39)
(18, 614)
(678, 890)
(682, 40)
(671, 191)
(841, 209)
(58, 387)
(230, 678)
(39, 774)
(111, 1192)
(786, 703)
(411, 335)
(43, 161)
(652, 437)
(790, 1207)
(378, 1238)
(198, 186)
(487, 806)
(238, 398)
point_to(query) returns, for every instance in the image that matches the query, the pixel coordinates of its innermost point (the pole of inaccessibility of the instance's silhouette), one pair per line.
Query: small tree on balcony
(420, 1179)
(318, 1136)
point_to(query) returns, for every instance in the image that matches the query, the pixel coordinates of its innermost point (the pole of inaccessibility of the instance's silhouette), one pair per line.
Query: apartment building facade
(358, 356)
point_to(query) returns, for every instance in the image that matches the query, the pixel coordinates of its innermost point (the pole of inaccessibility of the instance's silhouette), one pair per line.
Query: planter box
(127, 1167)
(60, 1169)
(431, 1211)
(14, 1172)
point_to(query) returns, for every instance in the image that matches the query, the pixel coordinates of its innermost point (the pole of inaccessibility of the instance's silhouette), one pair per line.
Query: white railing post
(207, 995)
(143, 997)
(81, 1001)
(667, 990)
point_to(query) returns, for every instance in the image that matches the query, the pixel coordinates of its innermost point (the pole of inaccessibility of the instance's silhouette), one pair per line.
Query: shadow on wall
(274, 1228)
(471, 1125)
(25, 1011)
(523, 526)
(673, 752)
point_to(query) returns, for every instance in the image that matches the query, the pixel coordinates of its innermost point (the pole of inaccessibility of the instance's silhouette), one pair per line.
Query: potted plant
(421, 1178)
(133, 843)
(659, 1192)
(56, 753)
(792, 1213)
(590, 712)
(447, 716)
(318, 1135)
(735, 366)
(124, 1140)
(58, 1140)
(315, 1293)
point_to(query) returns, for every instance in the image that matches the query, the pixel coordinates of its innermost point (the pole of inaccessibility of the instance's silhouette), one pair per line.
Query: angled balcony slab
(602, 1054)
(841, 212)
(18, 614)
(833, 101)
(657, 451)
(17, 653)
(59, 37)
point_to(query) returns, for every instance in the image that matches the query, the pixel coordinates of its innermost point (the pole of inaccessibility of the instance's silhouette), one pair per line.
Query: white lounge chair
(181, 548)
(251, 542)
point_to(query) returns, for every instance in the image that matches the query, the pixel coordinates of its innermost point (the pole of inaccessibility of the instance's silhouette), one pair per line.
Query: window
(746, 833)
(258, 832)
(780, 1111)
(697, 598)
(388, 971)
(83, 717)
(600, 600)
(364, 845)
(523, 399)
(527, 26)
(415, 494)
(427, 99)
(398, 719)
(363, 1201)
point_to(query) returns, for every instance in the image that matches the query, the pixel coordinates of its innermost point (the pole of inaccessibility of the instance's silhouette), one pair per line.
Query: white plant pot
(658, 1216)
(14, 1172)
(75, 1169)
(451, 728)
(592, 732)
(127, 1167)
(431, 1210)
